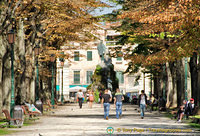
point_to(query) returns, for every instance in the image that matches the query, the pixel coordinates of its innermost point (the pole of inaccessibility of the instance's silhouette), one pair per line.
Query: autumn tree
(50, 24)
(171, 27)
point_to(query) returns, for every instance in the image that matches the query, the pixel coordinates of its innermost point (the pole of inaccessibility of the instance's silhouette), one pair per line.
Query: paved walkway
(69, 120)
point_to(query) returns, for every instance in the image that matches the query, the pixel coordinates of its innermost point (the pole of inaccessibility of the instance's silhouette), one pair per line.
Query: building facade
(77, 71)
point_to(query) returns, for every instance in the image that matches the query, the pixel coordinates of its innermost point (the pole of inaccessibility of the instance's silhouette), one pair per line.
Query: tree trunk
(194, 76)
(156, 84)
(180, 75)
(198, 83)
(6, 81)
(171, 85)
(1, 93)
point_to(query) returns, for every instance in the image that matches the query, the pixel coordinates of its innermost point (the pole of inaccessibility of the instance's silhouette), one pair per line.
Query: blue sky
(101, 11)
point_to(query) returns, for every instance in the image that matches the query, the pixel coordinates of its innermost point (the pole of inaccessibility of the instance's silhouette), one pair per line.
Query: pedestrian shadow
(153, 134)
(136, 115)
(77, 116)
(157, 125)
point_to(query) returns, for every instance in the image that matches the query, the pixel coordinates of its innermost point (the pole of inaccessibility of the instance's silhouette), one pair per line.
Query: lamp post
(62, 65)
(37, 52)
(11, 40)
(52, 58)
(186, 78)
(62, 60)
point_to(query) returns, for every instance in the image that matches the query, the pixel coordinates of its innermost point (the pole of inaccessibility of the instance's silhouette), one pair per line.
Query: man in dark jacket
(190, 108)
(142, 103)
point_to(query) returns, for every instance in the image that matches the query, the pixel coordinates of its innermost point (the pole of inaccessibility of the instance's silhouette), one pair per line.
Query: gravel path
(69, 120)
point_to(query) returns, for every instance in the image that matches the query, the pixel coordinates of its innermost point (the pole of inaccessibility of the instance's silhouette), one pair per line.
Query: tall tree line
(167, 32)
(47, 23)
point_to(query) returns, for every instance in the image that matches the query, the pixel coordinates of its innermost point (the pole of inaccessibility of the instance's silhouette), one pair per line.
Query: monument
(104, 76)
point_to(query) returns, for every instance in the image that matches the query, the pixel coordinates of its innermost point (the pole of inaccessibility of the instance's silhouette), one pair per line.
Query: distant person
(100, 96)
(91, 98)
(153, 102)
(161, 104)
(118, 98)
(87, 97)
(106, 103)
(142, 103)
(80, 97)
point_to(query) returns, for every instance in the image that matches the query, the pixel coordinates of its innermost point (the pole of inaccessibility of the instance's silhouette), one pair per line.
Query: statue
(107, 72)
(101, 49)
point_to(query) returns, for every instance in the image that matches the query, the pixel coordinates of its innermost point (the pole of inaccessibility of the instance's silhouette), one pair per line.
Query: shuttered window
(89, 55)
(76, 56)
(76, 77)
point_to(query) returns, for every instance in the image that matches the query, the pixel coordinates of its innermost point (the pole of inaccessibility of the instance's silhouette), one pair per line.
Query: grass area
(28, 122)
(5, 131)
(197, 116)
(168, 115)
(194, 125)
(2, 122)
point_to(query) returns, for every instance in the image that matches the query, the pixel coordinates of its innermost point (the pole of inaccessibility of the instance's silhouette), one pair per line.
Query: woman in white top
(80, 97)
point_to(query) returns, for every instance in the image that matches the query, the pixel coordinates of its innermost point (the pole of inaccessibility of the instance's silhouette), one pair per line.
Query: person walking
(91, 98)
(118, 98)
(80, 97)
(142, 103)
(105, 102)
(87, 97)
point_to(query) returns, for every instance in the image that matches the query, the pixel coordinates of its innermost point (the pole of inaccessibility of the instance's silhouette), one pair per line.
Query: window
(76, 77)
(89, 76)
(89, 55)
(76, 56)
(120, 77)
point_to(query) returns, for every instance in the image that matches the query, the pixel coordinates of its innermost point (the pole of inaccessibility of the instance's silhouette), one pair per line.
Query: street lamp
(186, 61)
(52, 58)
(37, 52)
(11, 40)
(62, 65)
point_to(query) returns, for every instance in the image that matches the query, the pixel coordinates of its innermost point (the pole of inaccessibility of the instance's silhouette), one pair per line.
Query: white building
(78, 70)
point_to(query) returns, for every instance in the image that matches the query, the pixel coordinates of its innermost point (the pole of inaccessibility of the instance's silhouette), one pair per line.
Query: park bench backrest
(27, 108)
(7, 114)
(24, 109)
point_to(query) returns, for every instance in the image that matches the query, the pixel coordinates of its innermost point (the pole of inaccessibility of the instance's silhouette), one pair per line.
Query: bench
(195, 112)
(49, 106)
(28, 112)
(174, 113)
(17, 121)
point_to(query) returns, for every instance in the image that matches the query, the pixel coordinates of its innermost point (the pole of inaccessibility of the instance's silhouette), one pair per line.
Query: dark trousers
(80, 101)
